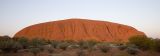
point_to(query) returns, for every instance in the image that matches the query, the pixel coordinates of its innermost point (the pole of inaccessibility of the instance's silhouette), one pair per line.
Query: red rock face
(79, 29)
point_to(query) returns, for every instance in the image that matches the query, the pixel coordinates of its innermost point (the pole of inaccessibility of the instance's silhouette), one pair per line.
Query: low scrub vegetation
(132, 50)
(104, 47)
(35, 51)
(145, 43)
(134, 46)
(87, 44)
(9, 45)
(63, 45)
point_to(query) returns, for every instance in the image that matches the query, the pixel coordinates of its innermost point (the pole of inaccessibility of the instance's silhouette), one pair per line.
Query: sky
(144, 15)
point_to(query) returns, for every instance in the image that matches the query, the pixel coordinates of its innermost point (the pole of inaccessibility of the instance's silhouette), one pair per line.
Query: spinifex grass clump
(87, 44)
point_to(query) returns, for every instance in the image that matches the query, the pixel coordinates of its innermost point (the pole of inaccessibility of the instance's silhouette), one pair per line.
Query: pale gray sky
(143, 15)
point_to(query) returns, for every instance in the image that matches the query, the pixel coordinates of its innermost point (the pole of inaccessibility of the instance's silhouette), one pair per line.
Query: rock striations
(79, 29)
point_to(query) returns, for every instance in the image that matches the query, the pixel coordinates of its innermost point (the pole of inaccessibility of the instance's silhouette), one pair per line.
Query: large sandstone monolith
(79, 29)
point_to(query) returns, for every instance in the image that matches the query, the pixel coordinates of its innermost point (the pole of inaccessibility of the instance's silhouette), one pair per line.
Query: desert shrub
(6, 46)
(35, 51)
(37, 42)
(63, 45)
(81, 43)
(16, 46)
(87, 44)
(145, 43)
(142, 42)
(24, 42)
(10, 45)
(132, 51)
(54, 43)
(104, 47)
(157, 45)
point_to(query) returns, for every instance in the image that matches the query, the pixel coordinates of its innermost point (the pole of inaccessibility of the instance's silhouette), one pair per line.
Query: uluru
(79, 29)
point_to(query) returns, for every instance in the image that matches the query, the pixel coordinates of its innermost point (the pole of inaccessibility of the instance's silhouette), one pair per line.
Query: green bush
(24, 42)
(87, 44)
(142, 42)
(6, 46)
(10, 45)
(37, 42)
(54, 43)
(16, 46)
(157, 45)
(145, 43)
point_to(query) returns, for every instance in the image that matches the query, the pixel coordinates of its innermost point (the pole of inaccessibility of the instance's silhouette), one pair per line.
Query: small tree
(142, 42)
